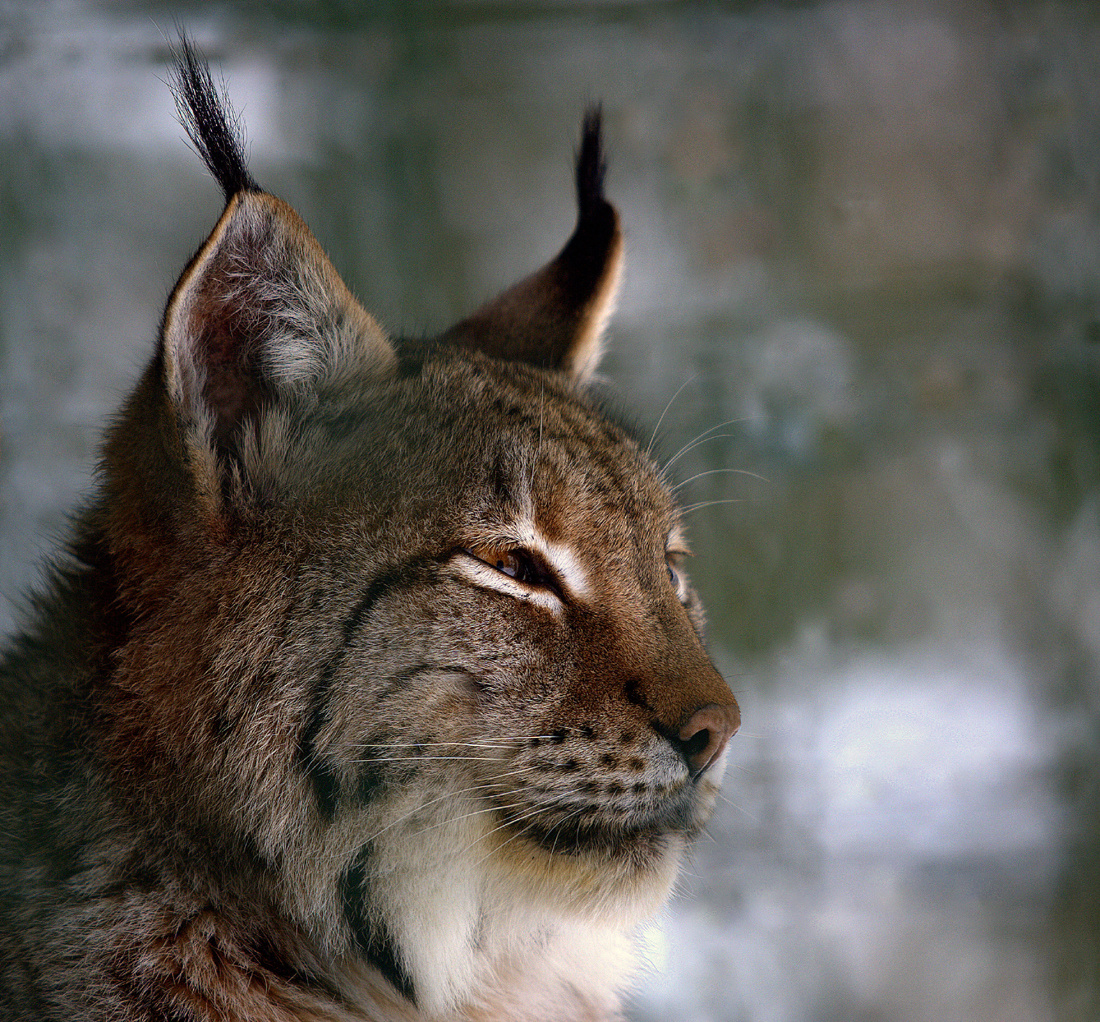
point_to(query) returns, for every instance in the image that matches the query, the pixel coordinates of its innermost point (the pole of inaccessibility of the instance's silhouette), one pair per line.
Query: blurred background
(863, 273)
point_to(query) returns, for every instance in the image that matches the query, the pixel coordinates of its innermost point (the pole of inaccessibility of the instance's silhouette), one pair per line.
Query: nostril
(704, 736)
(696, 745)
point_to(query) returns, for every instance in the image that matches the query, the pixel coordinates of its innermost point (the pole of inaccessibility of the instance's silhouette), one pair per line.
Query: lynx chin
(371, 685)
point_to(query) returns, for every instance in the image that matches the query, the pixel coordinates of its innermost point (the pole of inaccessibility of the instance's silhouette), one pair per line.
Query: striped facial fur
(375, 687)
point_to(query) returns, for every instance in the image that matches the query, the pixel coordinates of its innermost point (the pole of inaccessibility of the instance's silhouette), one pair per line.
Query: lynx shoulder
(372, 686)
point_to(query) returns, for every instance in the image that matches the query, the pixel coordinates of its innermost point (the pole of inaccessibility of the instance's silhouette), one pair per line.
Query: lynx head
(406, 625)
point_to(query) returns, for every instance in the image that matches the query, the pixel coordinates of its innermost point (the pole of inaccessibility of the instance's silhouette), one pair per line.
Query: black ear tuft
(591, 162)
(555, 318)
(209, 121)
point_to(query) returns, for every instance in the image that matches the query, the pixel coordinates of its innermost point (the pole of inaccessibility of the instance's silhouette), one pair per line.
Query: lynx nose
(705, 734)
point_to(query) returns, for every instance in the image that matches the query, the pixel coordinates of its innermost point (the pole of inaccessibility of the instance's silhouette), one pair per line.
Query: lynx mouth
(573, 830)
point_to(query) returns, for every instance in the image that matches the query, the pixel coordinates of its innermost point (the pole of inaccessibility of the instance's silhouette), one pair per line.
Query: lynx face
(545, 604)
(378, 659)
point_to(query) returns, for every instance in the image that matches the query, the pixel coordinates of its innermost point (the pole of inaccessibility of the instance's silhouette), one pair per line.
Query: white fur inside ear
(262, 309)
(185, 371)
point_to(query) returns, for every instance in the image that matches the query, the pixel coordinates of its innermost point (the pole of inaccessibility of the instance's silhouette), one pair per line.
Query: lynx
(371, 685)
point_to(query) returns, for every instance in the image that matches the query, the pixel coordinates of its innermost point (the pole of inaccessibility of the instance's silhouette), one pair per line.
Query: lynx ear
(261, 312)
(556, 317)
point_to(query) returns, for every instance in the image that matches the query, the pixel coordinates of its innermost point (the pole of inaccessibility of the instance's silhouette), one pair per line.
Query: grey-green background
(866, 233)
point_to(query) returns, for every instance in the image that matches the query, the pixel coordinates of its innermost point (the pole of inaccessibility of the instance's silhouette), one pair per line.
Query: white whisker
(741, 809)
(699, 439)
(466, 816)
(426, 759)
(710, 503)
(489, 785)
(538, 808)
(557, 826)
(691, 447)
(455, 744)
(653, 436)
(720, 471)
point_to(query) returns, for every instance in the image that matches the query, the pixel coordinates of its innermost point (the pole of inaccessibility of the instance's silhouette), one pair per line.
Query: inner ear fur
(260, 312)
(556, 317)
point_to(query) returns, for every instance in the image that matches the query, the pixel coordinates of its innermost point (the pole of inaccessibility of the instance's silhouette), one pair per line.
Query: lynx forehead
(372, 686)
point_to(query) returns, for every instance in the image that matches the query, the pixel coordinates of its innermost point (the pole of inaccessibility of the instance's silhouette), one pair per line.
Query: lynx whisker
(740, 808)
(653, 435)
(420, 807)
(540, 806)
(700, 438)
(426, 759)
(503, 825)
(720, 471)
(465, 816)
(454, 744)
(561, 823)
(524, 830)
(710, 503)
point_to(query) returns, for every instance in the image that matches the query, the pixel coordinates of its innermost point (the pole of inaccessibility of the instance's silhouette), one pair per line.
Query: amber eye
(516, 563)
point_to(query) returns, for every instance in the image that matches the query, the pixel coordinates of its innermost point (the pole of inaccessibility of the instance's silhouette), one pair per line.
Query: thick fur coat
(371, 686)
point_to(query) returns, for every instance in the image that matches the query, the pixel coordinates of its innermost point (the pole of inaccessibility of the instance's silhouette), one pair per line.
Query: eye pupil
(521, 568)
(515, 564)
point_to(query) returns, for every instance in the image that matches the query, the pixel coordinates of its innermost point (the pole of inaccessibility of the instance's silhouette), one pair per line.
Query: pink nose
(705, 734)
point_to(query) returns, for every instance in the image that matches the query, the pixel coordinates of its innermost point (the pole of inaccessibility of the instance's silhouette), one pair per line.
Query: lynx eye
(672, 565)
(516, 563)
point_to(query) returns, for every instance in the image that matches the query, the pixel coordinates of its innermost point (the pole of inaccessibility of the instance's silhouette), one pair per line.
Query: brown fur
(372, 687)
